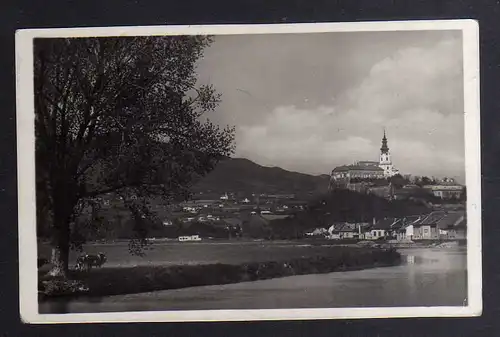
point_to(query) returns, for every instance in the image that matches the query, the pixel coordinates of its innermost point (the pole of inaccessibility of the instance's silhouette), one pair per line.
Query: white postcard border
(26, 175)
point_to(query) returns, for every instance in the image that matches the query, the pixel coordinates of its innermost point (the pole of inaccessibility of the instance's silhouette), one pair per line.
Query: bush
(59, 287)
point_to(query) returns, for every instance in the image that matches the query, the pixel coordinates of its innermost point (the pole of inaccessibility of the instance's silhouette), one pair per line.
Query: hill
(243, 175)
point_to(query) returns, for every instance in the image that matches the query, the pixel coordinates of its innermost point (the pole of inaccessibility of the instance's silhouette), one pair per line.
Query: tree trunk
(60, 248)
(59, 260)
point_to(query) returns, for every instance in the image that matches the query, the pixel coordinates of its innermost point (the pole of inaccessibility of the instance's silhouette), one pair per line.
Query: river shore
(108, 281)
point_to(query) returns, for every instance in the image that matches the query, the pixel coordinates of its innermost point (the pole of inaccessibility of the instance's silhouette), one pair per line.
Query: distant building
(347, 230)
(435, 225)
(318, 232)
(447, 189)
(189, 238)
(383, 228)
(406, 231)
(427, 227)
(452, 226)
(365, 170)
(347, 172)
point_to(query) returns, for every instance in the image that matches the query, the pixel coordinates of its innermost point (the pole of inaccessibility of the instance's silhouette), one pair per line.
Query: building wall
(349, 235)
(446, 191)
(366, 174)
(377, 233)
(406, 233)
(425, 232)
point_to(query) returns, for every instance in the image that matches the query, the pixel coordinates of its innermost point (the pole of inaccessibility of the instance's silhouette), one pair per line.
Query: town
(239, 214)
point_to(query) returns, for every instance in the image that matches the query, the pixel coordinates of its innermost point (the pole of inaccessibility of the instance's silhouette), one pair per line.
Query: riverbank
(138, 279)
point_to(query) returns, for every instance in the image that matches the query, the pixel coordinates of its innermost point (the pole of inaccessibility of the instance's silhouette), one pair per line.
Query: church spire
(384, 148)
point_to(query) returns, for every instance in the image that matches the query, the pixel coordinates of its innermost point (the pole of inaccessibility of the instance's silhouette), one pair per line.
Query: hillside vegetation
(340, 206)
(245, 176)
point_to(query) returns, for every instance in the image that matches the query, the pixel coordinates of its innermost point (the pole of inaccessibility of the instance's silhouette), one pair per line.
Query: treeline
(343, 206)
(335, 206)
(111, 228)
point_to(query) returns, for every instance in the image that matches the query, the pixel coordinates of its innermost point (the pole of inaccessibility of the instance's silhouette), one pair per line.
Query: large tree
(120, 115)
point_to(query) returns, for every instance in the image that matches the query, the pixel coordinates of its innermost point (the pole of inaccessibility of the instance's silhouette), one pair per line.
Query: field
(207, 252)
(172, 265)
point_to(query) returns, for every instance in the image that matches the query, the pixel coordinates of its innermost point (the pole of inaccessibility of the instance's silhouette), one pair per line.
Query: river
(427, 277)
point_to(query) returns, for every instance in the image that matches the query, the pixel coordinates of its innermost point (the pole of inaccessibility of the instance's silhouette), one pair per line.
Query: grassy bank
(117, 281)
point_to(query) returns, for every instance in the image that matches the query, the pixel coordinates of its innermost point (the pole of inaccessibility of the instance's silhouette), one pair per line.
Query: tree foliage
(398, 181)
(120, 115)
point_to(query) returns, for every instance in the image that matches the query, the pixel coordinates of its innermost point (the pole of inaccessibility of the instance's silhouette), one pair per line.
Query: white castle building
(367, 169)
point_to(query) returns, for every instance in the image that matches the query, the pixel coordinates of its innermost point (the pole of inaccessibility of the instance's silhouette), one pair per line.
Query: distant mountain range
(245, 176)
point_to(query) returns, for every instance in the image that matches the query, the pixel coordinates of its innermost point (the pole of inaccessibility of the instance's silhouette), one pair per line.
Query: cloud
(416, 93)
(301, 139)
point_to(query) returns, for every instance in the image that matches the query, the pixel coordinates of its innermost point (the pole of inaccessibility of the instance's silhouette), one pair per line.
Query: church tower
(385, 162)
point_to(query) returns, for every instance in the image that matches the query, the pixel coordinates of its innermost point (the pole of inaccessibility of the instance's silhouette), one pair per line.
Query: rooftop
(451, 220)
(384, 223)
(431, 218)
(345, 168)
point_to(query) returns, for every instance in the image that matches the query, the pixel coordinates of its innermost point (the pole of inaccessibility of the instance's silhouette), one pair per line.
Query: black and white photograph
(249, 172)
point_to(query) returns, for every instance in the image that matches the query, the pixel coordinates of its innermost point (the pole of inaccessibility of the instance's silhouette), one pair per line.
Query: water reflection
(427, 277)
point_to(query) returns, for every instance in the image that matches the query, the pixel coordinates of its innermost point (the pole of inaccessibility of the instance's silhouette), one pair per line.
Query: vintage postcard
(249, 172)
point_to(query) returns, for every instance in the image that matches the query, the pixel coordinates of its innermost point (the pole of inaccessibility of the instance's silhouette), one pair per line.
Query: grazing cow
(87, 261)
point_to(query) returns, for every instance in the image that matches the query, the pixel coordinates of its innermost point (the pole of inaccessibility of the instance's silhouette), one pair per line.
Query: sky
(311, 102)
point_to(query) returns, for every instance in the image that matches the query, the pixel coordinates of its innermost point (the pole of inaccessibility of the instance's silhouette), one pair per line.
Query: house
(448, 189)
(378, 230)
(396, 227)
(427, 227)
(334, 231)
(318, 232)
(350, 231)
(189, 238)
(383, 228)
(449, 224)
(346, 231)
(406, 231)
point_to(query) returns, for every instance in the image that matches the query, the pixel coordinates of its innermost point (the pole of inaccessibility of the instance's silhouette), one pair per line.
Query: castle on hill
(367, 169)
